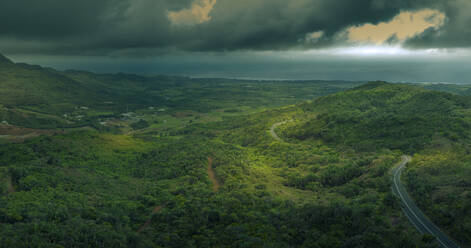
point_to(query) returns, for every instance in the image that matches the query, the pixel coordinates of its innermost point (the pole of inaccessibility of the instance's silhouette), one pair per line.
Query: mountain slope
(38, 97)
(23, 84)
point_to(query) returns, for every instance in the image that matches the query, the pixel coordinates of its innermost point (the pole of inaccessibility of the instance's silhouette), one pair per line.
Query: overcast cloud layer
(152, 27)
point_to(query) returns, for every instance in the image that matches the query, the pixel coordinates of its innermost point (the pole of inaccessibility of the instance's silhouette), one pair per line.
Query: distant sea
(352, 68)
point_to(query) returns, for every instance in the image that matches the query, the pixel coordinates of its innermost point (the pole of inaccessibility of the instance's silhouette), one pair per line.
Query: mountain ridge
(385, 115)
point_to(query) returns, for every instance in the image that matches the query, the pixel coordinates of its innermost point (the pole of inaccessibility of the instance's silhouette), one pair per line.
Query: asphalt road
(415, 215)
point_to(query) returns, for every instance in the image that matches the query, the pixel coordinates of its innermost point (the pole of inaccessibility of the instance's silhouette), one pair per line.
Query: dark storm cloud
(457, 30)
(126, 27)
(281, 24)
(51, 18)
(86, 26)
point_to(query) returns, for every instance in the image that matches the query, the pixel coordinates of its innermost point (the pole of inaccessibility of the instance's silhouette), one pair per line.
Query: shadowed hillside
(37, 97)
(30, 85)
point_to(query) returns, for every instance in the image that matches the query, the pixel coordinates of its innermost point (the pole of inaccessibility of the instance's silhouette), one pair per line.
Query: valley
(130, 161)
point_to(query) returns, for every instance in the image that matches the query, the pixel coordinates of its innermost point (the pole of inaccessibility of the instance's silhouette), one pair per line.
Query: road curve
(273, 133)
(415, 215)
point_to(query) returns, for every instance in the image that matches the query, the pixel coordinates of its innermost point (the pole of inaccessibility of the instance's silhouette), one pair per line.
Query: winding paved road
(415, 215)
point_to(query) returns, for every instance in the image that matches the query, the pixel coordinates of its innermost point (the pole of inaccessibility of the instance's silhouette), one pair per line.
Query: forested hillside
(433, 126)
(381, 115)
(197, 166)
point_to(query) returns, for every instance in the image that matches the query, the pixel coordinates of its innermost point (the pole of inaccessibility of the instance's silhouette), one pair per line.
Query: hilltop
(384, 115)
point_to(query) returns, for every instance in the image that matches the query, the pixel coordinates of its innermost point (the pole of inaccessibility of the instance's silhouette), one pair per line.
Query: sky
(394, 40)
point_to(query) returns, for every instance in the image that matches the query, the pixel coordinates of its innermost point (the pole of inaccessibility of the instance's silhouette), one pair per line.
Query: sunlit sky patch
(198, 13)
(405, 25)
(395, 50)
(372, 50)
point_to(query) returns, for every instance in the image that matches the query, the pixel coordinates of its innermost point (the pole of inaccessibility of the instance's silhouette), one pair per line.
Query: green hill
(30, 85)
(383, 115)
(376, 118)
(38, 97)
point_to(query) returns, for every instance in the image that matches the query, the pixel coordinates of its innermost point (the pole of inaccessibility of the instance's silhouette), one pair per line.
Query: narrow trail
(156, 210)
(212, 175)
(272, 130)
(10, 188)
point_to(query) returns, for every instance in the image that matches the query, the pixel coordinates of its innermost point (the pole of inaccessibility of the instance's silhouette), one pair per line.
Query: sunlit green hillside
(380, 115)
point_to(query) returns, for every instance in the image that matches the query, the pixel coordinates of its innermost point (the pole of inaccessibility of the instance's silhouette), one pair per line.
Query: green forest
(118, 160)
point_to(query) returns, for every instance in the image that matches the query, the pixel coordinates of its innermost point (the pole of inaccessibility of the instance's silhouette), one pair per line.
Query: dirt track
(156, 210)
(212, 175)
(10, 188)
